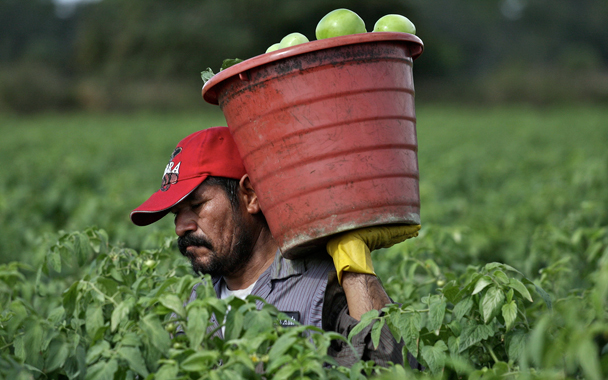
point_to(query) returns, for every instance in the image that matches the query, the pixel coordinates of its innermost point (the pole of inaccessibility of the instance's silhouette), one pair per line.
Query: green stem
(492, 354)
(102, 293)
(523, 316)
(423, 265)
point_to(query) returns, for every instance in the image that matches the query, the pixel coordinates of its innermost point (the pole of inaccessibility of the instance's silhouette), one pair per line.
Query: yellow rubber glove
(351, 250)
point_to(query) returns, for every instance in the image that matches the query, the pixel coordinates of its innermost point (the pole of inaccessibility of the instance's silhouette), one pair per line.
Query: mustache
(188, 240)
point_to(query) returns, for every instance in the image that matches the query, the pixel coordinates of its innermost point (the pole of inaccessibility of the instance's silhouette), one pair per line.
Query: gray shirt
(295, 287)
(308, 291)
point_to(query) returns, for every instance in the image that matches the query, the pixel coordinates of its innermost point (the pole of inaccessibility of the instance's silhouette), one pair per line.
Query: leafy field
(514, 210)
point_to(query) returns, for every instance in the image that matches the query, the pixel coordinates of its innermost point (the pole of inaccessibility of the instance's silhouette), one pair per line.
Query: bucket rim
(210, 96)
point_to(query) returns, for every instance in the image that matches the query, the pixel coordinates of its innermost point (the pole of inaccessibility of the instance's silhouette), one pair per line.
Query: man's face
(213, 234)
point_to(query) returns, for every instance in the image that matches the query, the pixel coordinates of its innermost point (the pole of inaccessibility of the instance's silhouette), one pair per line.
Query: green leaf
(94, 319)
(377, 331)
(155, 332)
(173, 303)
(450, 291)
(108, 286)
(38, 283)
(435, 356)
(116, 275)
(474, 334)
(538, 337)
(500, 368)
(489, 266)
(19, 346)
(287, 371)
(491, 303)
(509, 313)
(455, 326)
(198, 318)
(481, 284)
(277, 362)
(81, 248)
(207, 74)
(256, 322)
(510, 268)
(136, 361)
(102, 370)
(103, 241)
(200, 361)
(32, 340)
(218, 306)
(234, 324)
(19, 315)
(436, 314)
(393, 320)
(57, 354)
(95, 352)
(366, 320)
(121, 312)
(131, 339)
(168, 371)
(75, 366)
(453, 344)
(462, 308)
(516, 343)
(460, 364)
(501, 277)
(281, 345)
(56, 315)
(53, 259)
(70, 297)
(230, 62)
(544, 295)
(520, 288)
(411, 325)
(588, 357)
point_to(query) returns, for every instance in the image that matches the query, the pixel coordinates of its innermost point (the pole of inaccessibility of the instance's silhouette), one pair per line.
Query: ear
(249, 196)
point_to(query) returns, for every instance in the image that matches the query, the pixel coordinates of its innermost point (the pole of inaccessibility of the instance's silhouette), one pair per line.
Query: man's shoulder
(283, 267)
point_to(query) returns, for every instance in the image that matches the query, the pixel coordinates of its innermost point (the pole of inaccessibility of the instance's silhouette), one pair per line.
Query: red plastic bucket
(327, 131)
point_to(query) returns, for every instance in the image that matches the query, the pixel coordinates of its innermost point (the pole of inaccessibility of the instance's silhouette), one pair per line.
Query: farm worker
(223, 232)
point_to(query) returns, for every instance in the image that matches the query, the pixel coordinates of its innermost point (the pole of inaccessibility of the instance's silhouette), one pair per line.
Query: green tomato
(394, 23)
(273, 47)
(292, 39)
(339, 22)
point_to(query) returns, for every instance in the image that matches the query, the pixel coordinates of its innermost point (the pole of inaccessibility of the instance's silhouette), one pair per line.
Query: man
(223, 232)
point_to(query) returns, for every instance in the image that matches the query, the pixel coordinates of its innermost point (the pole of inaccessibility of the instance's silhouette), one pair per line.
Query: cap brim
(160, 203)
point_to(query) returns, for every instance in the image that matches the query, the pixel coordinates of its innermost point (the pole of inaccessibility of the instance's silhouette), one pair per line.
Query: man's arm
(360, 292)
(364, 292)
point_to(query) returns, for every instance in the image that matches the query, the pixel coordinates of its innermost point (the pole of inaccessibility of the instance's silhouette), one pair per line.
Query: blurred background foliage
(136, 54)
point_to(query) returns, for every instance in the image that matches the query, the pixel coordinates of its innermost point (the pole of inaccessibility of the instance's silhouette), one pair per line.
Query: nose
(184, 222)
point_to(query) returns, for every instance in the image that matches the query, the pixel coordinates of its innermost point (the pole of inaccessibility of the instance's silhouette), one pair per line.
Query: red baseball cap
(210, 152)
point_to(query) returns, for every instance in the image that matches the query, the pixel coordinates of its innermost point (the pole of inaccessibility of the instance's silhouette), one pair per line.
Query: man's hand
(351, 250)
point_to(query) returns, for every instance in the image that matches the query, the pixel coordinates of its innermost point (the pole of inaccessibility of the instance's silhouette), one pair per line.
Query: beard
(236, 259)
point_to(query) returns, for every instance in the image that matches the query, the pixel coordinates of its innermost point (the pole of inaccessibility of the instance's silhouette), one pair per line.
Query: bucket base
(313, 246)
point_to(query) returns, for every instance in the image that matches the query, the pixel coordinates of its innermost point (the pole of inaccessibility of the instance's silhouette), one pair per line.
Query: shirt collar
(280, 268)
(283, 268)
